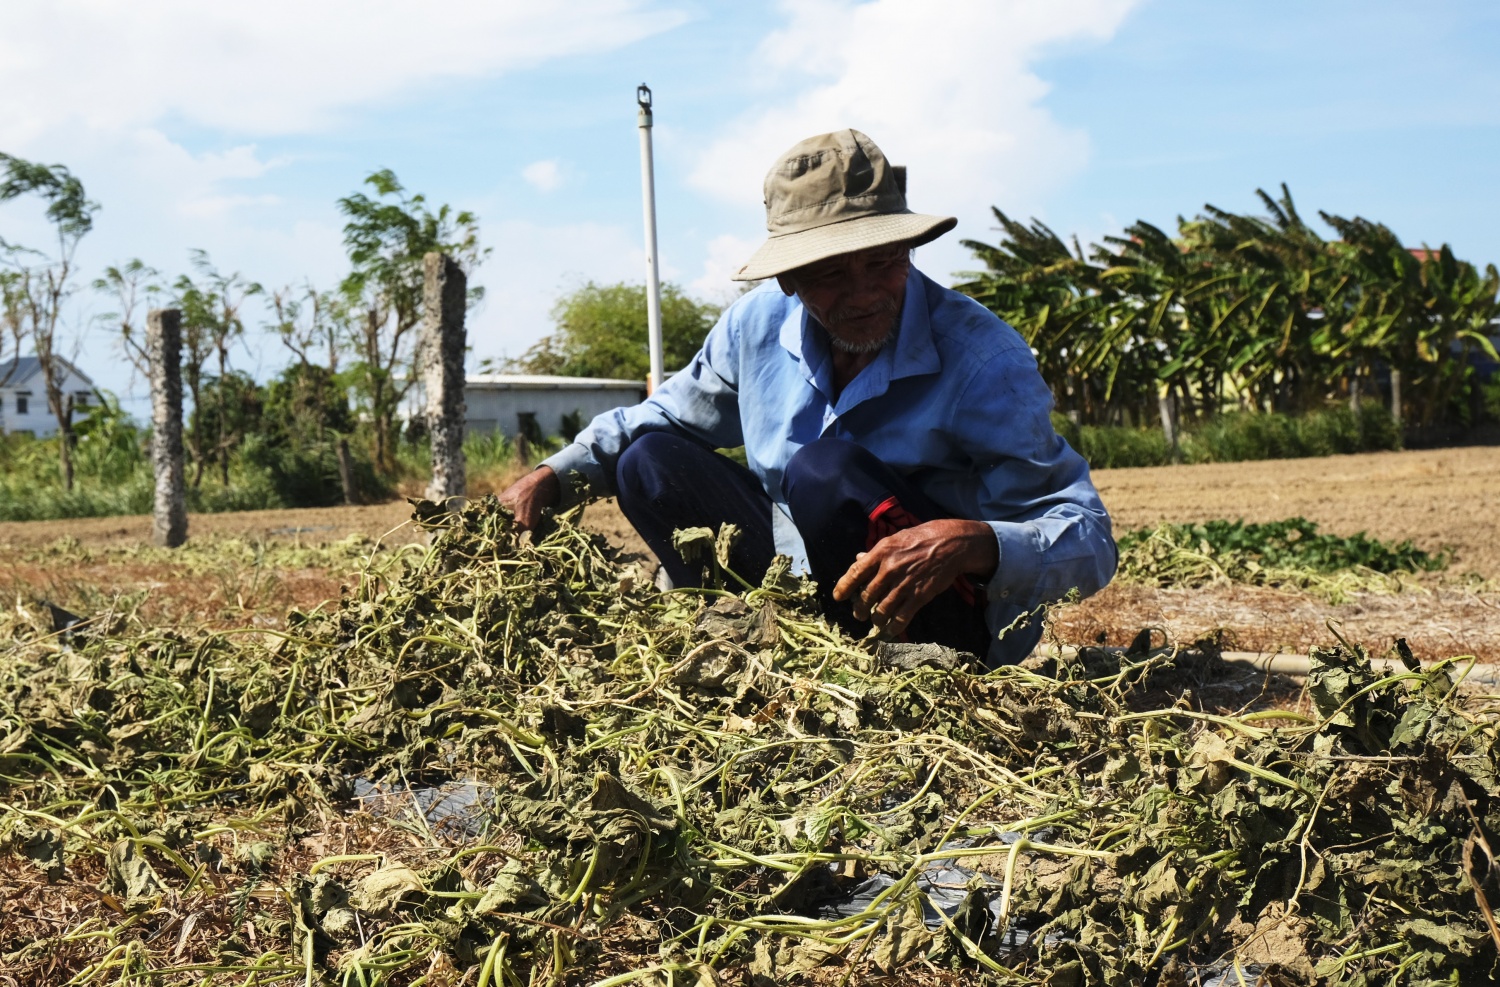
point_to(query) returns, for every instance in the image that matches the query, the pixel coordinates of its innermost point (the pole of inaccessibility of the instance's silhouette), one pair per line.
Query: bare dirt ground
(308, 525)
(1438, 498)
(1441, 499)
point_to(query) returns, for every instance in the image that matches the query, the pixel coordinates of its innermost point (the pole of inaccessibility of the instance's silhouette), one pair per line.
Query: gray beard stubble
(868, 346)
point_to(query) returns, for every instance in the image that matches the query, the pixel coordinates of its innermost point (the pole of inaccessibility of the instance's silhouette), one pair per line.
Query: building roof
(18, 370)
(545, 382)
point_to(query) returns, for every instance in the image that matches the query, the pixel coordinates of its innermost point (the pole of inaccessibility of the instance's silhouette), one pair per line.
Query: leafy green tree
(387, 236)
(305, 415)
(36, 286)
(602, 329)
(306, 404)
(306, 322)
(232, 409)
(1277, 286)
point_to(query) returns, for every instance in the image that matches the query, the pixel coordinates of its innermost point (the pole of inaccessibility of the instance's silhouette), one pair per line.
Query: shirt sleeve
(1051, 528)
(701, 401)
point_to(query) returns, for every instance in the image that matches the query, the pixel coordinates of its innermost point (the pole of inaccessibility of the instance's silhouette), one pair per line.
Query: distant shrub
(1247, 435)
(24, 500)
(1237, 437)
(1113, 447)
(297, 475)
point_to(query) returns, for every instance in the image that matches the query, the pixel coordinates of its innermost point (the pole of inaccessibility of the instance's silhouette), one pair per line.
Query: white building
(23, 395)
(503, 402)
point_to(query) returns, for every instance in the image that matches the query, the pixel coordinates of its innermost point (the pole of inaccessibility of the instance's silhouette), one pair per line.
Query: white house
(512, 403)
(23, 395)
(505, 402)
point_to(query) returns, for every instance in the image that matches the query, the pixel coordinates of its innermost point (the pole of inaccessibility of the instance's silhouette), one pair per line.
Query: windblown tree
(1278, 286)
(211, 324)
(198, 307)
(305, 322)
(1237, 311)
(226, 326)
(1157, 293)
(602, 329)
(134, 286)
(36, 285)
(387, 235)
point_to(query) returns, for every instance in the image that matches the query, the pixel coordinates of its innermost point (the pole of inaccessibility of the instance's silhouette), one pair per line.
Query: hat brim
(790, 251)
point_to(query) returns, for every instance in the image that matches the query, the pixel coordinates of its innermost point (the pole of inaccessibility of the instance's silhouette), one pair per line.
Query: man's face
(856, 297)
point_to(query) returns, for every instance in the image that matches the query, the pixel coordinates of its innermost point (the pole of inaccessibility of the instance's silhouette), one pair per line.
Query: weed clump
(702, 787)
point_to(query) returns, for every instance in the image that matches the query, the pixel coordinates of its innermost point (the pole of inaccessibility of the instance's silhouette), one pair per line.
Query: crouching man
(897, 433)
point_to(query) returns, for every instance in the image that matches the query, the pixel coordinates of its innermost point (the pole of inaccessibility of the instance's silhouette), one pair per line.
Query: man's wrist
(547, 481)
(981, 551)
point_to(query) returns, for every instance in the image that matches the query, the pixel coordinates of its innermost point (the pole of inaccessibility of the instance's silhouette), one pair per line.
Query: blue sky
(234, 127)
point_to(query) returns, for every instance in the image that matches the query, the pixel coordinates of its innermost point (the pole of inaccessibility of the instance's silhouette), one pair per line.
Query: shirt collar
(916, 354)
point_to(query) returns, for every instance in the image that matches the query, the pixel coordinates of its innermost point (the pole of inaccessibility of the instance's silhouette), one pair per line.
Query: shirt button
(1005, 594)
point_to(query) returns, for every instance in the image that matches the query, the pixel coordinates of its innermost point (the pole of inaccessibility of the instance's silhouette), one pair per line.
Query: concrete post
(1396, 400)
(444, 295)
(1166, 405)
(346, 472)
(164, 351)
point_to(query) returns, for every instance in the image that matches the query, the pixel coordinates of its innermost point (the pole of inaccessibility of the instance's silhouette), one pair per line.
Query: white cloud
(535, 264)
(188, 184)
(945, 87)
(218, 206)
(275, 66)
(726, 254)
(543, 175)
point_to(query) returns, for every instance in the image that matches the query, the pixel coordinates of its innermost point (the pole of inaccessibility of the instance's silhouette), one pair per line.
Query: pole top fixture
(643, 100)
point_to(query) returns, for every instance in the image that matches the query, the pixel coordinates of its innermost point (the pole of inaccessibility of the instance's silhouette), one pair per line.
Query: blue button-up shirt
(955, 403)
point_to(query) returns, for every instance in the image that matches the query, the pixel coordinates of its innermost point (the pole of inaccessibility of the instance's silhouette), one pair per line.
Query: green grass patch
(1289, 553)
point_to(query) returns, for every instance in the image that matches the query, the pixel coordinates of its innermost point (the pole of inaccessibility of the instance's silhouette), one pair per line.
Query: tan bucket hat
(835, 194)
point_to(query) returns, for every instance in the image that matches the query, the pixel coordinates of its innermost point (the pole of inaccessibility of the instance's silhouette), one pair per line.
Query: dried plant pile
(1290, 553)
(684, 788)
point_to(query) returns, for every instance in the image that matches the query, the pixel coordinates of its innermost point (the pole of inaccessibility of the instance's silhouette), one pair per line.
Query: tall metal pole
(653, 275)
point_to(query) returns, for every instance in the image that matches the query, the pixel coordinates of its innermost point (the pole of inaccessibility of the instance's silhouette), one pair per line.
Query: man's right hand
(531, 494)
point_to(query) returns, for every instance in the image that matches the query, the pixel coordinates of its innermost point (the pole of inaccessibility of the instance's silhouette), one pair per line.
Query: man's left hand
(907, 570)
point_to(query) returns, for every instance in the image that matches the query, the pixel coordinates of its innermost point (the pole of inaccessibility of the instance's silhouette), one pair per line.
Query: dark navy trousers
(842, 499)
